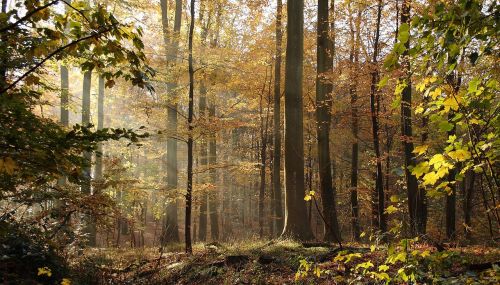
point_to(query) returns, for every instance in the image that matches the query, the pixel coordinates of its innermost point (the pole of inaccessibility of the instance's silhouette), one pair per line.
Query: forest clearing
(249, 142)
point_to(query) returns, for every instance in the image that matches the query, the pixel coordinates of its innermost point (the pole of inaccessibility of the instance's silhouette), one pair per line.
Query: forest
(249, 142)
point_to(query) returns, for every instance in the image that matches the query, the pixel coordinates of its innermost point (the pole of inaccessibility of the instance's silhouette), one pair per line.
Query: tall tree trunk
(203, 218)
(213, 197)
(171, 41)
(100, 124)
(406, 129)
(86, 186)
(189, 192)
(263, 149)
(278, 208)
(354, 57)
(4, 46)
(323, 117)
(296, 223)
(375, 109)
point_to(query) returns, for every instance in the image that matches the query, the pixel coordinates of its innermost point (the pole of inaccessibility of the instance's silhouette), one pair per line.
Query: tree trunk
(213, 197)
(354, 57)
(406, 131)
(381, 223)
(203, 218)
(323, 117)
(170, 232)
(278, 208)
(189, 192)
(86, 186)
(100, 125)
(296, 223)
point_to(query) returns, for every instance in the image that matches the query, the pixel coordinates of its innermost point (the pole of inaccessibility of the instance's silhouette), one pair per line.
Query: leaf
(445, 126)
(383, 268)
(8, 165)
(420, 169)
(460, 154)
(421, 149)
(362, 234)
(383, 82)
(391, 209)
(308, 198)
(430, 178)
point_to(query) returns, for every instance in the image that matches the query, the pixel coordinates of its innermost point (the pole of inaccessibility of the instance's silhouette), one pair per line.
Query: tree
(100, 125)
(323, 117)
(87, 155)
(415, 197)
(171, 42)
(276, 199)
(189, 192)
(380, 219)
(296, 222)
(353, 85)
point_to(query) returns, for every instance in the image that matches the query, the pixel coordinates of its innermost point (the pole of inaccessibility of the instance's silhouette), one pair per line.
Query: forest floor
(285, 262)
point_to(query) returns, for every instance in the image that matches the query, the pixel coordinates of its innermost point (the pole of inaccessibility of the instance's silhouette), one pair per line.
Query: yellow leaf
(44, 271)
(450, 103)
(460, 154)
(391, 209)
(430, 178)
(425, 253)
(437, 160)
(362, 234)
(66, 281)
(436, 93)
(420, 149)
(307, 198)
(383, 268)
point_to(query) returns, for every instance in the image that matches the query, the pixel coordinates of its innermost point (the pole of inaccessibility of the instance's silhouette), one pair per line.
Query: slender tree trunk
(375, 109)
(212, 161)
(406, 130)
(323, 117)
(278, 208)
(354, 56)
(296, 223)
(203, 218)
(86, 186)
(189, 192)
(171, 41)
(100, 124)
(263, 152)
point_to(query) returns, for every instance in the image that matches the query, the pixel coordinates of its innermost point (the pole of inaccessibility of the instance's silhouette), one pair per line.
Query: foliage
(36, 152)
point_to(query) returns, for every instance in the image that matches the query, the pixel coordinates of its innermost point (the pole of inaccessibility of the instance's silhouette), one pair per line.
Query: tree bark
(87, 176)
(100, 124)
(406, 130)
(296, 223)
(189, 192)
(324, 89)
(470, 178)
(213, 197)
(171, 41)
(354, 57)
(380, 220)
(277, 205)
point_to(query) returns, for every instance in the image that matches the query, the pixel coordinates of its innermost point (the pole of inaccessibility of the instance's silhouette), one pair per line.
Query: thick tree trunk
(296, 223)
(406, 130)
(354, 57)
(323, 117)
(277, 205)
(380, 218)
(189, 192)
(170, 232)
